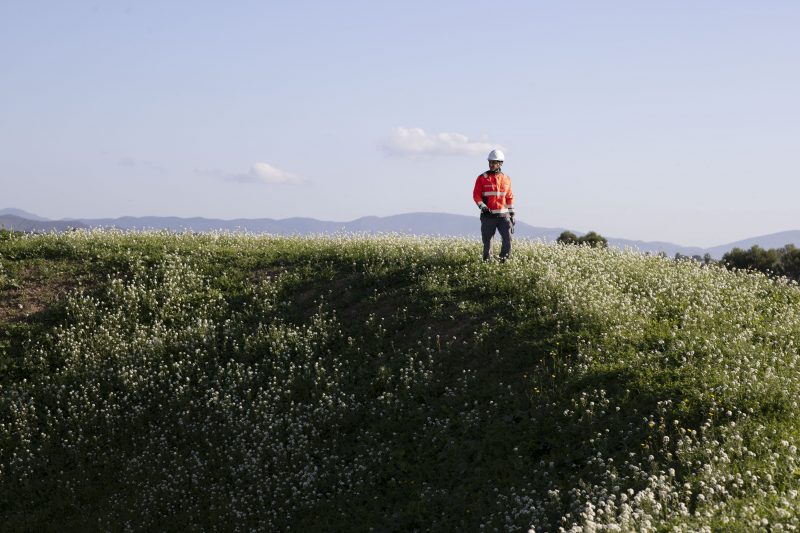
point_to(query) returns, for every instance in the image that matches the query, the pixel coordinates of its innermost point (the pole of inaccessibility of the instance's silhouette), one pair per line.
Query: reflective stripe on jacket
(494, 190)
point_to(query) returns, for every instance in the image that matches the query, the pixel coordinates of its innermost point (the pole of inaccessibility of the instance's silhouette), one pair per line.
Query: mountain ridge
(420, 223)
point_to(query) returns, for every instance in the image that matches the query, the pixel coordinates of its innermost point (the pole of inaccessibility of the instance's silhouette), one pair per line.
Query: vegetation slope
(220, 382)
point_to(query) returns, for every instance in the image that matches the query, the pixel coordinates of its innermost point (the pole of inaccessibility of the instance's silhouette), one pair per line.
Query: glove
(485, 210)
(513, 222)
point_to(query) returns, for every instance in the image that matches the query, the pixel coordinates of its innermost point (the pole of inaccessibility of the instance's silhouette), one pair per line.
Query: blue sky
(675, 121)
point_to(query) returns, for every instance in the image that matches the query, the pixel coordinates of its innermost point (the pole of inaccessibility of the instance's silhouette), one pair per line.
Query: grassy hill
(153, 381)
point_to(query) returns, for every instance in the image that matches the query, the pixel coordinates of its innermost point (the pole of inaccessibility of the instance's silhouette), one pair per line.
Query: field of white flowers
(225, 382)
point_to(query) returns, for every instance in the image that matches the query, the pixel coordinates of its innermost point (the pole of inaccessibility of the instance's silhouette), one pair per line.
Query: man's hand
(485, 209)
(513, 222)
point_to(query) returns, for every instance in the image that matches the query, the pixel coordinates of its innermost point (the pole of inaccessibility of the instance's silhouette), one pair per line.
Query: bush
(779, 262)
(592, 239)
(567, 237)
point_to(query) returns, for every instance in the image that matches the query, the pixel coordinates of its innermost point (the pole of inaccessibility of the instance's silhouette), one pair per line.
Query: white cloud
(416, 141)
(266, 173)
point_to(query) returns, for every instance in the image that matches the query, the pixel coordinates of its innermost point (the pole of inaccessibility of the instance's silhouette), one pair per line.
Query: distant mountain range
(410, 223)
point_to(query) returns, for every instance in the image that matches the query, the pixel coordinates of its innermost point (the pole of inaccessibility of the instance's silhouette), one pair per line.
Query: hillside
(17, 223)
(158, 381)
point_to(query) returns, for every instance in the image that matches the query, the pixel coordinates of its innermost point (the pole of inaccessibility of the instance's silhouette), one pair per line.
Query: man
(492, 194)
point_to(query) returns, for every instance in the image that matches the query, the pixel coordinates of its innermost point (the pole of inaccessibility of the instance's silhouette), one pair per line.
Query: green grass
(154, 381)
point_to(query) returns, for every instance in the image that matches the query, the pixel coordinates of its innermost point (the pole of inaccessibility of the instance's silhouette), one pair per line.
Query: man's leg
(504, 227)
(488, 225)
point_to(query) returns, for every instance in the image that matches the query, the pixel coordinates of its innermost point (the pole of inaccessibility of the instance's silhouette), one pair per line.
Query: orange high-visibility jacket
(494, 190)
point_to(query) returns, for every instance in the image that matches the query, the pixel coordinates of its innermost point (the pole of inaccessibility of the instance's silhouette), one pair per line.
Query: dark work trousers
(490, 224)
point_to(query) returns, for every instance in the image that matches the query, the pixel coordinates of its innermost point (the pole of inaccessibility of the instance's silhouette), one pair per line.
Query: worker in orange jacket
(492, 194)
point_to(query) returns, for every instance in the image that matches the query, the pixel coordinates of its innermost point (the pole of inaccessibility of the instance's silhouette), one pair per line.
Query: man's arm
(510, 200)
(477, 196)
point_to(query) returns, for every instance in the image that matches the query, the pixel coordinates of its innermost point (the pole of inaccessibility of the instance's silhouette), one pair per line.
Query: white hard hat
(496, 155)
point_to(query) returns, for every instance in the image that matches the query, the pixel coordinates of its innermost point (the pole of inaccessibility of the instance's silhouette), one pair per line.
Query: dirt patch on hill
(35, 288)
